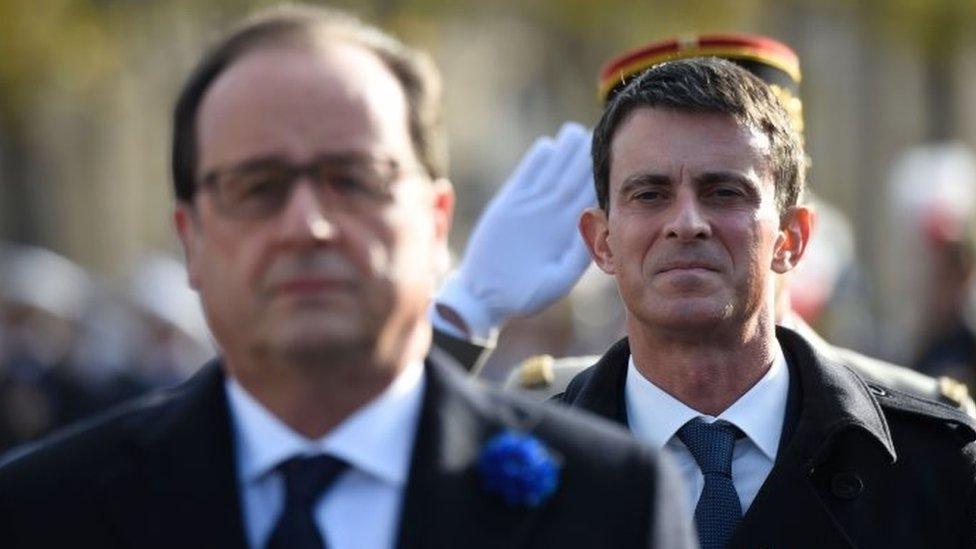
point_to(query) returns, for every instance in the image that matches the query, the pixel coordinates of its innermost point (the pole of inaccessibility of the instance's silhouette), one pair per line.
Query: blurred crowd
(72, 344)
(933, 189)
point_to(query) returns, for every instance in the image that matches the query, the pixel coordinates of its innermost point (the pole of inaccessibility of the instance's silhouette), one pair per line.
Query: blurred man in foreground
(313, 210)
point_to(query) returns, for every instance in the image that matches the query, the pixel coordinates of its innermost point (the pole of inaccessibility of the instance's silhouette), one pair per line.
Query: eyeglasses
(260, 189)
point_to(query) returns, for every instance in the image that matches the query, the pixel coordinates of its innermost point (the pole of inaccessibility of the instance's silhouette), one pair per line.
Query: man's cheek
(379, 261)
(367, 252)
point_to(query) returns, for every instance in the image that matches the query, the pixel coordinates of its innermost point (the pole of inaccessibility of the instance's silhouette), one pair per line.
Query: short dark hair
(706, 85)
(304, 26)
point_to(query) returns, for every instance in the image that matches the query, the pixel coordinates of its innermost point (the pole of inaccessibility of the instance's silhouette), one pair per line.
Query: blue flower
(519, 468)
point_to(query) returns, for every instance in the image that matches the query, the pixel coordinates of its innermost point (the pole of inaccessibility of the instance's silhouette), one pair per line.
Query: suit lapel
(180, 487)
(603, 391)
(444, 504)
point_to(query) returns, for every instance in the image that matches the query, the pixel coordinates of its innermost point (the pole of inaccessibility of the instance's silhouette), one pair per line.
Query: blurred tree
(937, 29)
(51, 44)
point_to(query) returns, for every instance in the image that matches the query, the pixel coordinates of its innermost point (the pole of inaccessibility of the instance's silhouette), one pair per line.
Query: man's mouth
(686, 266)
(313, 285)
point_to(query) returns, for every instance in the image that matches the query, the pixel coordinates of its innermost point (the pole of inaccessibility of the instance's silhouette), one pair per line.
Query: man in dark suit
(313, 210)
(698, 173)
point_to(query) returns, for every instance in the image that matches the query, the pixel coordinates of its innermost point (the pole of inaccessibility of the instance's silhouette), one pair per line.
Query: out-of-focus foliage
(77, 44)
(52, 43)
(936, 24)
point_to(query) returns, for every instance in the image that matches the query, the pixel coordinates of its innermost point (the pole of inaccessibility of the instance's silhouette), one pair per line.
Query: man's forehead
(315, 73)
(334, 92)
(662, 139)
(335, 57)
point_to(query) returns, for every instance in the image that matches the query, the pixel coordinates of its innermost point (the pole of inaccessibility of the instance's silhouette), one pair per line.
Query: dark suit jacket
(160, 472)
(859, 465)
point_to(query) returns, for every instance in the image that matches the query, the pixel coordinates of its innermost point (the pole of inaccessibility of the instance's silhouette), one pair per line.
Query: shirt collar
(655, 416)
(377, 439)
(760, 412)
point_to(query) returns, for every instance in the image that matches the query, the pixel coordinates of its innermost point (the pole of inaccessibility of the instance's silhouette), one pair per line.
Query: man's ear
(595, 230)
(188, 230)
(795, 229)
(442, 206)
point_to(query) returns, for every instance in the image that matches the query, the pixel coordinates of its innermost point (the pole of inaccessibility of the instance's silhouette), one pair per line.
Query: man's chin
(316, 351)
(319, 339)
(691, 313)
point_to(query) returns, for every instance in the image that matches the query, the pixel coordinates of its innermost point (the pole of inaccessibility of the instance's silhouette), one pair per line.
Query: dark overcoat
(859, 464)
(160, 472)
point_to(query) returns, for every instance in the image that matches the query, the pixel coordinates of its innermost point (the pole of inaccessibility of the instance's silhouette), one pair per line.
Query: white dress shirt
(655, 417)
(362, 509)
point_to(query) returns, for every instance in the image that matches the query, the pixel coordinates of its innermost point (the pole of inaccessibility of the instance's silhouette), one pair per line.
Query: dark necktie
(718, 511)
(306, 480)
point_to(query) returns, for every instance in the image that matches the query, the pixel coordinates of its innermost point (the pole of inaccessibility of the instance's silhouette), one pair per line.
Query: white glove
(526, 251)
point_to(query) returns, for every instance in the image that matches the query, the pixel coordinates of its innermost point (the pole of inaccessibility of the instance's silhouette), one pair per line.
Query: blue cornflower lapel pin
(519, 468)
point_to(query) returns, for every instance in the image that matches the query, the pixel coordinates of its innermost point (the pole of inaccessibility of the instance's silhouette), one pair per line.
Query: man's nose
(306, 216)
(687, 220)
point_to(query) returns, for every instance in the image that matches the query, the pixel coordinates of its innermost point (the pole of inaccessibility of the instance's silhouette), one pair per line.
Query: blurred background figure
(148, 334)
(174, 339)
(948, 339)
(828, 264)
(70, 346)
(43, 298)
(934, 192)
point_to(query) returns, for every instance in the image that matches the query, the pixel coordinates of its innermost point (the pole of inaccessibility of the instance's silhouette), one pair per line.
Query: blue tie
(306, 481)
(718, 511)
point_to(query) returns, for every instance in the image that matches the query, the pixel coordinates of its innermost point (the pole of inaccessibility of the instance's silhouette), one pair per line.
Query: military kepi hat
(771, 60)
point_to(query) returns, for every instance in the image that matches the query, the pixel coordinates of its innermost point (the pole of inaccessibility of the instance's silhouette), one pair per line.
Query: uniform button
(846, 485)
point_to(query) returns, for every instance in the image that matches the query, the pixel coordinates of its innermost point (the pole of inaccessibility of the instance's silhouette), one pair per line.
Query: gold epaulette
(957, 392)
(536, 371)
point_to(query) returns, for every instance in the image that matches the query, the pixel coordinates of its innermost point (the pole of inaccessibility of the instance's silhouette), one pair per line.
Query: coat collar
(832, 400)
(832, 397)
(602, 390)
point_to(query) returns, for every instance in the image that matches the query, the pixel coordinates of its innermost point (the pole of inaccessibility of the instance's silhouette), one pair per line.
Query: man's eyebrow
(644, 179)
(267, 161)
(723, 176)
(278, 161)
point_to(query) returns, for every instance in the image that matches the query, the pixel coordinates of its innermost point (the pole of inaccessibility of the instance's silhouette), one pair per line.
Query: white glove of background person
(525, 251)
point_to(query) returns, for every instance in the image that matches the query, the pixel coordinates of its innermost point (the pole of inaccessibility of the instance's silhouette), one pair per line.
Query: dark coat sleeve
(468, 355)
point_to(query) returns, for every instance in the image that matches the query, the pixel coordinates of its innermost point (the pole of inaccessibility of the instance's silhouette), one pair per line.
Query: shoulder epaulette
(536, 371)
(906, 403)
(958, 393)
